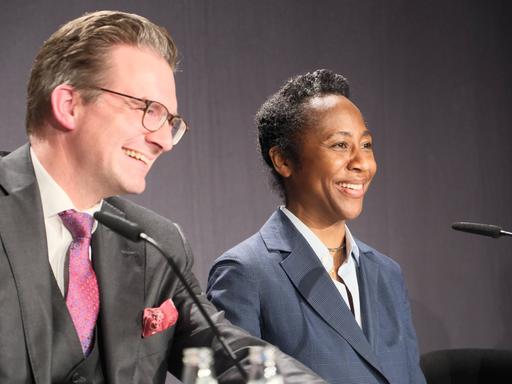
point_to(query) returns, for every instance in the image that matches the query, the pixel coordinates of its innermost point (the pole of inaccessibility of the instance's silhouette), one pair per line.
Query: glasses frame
(169, 118)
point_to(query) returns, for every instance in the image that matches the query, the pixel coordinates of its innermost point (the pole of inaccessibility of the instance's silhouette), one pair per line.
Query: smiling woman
(303, 282)
(335, 165)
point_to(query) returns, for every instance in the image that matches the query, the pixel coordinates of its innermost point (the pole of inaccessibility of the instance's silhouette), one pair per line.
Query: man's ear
(65, 99)
(282, 165)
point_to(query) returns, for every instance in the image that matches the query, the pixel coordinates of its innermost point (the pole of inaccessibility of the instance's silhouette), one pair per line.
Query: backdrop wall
(434, 82)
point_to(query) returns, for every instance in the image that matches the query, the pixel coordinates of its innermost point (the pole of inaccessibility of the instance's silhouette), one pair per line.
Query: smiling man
(303, 282)
(79, 303)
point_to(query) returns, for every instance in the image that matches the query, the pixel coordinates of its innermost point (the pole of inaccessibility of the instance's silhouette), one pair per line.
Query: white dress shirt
(347, 271)
(54, 200)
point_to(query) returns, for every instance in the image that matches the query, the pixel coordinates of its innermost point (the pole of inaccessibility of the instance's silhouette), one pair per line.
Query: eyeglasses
(155, 115)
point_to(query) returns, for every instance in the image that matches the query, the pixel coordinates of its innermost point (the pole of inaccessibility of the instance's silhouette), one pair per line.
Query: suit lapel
(309, 277)
(23, 236)
(119, 266)
(368, 278)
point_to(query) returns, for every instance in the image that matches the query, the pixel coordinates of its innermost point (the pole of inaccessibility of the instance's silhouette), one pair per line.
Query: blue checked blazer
(275, 287)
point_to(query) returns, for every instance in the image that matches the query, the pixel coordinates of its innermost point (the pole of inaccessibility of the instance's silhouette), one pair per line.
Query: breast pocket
(157, 343)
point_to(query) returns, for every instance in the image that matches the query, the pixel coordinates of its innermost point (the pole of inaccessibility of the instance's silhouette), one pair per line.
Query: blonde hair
(77, 54)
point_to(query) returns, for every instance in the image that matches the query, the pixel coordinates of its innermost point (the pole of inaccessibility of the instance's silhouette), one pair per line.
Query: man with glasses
(79, 303)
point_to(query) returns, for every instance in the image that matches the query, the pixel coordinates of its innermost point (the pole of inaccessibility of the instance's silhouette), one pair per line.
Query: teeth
(356, 187)
(136, 155)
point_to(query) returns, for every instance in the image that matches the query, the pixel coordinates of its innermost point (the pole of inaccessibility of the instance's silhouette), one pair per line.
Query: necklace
(334, 250)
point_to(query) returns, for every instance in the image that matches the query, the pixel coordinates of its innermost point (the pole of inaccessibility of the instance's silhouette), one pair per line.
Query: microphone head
(124, 227)
(478, 229)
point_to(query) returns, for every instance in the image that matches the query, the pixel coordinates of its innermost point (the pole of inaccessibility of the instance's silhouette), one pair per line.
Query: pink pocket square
(156, 320)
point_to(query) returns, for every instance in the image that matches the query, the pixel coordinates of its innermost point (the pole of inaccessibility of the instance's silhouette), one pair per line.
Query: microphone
(481, 229)
(134, 232)
(120, 225)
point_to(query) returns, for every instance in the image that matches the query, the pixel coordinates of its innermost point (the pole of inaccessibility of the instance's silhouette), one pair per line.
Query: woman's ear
(64, 100)
(282, 165)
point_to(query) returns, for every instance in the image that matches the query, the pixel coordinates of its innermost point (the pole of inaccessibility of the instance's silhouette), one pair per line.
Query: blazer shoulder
(378, 257)
(16, 171)
(246, 252)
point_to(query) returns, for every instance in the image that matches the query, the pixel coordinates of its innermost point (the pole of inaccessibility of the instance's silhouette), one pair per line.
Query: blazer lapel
(23, 236)
(311, 280)
(119, 267)
(368, 278)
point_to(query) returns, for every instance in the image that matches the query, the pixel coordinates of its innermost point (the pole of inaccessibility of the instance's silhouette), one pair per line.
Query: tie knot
(79, 224)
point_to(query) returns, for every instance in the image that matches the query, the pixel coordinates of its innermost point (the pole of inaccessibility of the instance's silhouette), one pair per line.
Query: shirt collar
(318, 246)
(53, 198)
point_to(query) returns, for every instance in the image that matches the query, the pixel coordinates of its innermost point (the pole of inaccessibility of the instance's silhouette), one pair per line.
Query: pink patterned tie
(82, 298)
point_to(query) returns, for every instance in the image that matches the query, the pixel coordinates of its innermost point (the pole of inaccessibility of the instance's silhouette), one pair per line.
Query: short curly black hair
(282, 119)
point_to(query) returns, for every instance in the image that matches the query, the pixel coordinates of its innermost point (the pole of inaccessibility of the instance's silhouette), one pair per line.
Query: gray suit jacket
(275, 287)
(131, 277)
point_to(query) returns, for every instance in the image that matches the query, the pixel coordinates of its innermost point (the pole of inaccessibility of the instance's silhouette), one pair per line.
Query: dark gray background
(434, 81)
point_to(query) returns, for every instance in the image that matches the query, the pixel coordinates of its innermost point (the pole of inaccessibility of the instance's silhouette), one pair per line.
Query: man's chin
(134, 189)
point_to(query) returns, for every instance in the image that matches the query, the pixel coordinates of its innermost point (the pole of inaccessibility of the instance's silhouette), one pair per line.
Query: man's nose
(161, 137)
